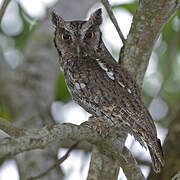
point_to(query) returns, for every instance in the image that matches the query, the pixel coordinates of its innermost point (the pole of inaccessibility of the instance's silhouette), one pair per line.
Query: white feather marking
(110, 74)
(129, 91)
(62, 70)
(103, 66)
(96, 99)
(77, 86)
(92, 107)
(82, 85)
(121, 84)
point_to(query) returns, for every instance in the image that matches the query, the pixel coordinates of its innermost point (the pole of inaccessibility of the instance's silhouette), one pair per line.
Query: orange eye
(65, 37)
(89, 35)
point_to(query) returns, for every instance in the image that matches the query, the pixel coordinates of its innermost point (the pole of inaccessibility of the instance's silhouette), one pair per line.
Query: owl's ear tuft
(96, 17)
(56, 19)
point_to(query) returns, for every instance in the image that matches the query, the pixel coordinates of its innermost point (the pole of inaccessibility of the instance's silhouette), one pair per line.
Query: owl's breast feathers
(104, 88)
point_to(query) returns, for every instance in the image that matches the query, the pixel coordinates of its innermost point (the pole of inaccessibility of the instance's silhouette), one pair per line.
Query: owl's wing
(120, 74)
(142, 126)
(127, 101)
(131, 110)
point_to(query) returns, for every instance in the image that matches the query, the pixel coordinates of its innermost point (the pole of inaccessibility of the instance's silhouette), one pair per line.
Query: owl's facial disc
(77, 38)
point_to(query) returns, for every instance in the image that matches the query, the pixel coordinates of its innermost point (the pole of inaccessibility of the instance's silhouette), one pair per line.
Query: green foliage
(62, 93)
(29, 25)
(169, 29)
(3, 112)
(168, 65)
(131, 7)
(21, 39)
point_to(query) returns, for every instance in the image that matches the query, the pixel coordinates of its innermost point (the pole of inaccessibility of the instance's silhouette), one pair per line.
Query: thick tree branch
(131, 171)
(147, 23)
(41, 138)
(10, 129)
(100, 167)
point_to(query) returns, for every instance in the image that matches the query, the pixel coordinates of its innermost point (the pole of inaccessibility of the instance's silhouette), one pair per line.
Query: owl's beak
(78, 50)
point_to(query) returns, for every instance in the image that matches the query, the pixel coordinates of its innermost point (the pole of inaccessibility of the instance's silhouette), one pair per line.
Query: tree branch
(57, 163)
(41, 138)
(147, 23)
(100, 167)
(143, 162)
(113, 19)
(10, 129)
(129, 166)
(3, 8)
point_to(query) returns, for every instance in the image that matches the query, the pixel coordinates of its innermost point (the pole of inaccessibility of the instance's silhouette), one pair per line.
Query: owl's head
(77, 38)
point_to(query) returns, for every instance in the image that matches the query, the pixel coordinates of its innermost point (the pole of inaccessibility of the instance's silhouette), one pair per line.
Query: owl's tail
(157, 156)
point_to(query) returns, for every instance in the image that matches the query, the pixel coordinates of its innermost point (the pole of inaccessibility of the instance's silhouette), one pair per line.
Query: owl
(101, 85)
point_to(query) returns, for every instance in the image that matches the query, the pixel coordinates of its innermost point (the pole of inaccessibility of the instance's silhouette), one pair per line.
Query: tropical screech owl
(101, 85)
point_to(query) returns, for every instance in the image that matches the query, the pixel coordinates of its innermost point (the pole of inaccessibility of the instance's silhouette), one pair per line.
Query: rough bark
(100, 167)
(109, 147)
(148, 21)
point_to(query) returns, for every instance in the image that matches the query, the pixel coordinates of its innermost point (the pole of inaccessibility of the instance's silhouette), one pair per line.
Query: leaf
(131, 7)
(62, 92)
(4, 112)
(168, 29)
(30, 25)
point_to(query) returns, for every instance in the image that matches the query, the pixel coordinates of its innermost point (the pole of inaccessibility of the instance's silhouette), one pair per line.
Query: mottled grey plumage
(101, 85)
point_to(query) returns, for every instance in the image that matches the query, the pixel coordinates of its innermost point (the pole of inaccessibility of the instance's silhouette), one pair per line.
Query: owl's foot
(99, 125)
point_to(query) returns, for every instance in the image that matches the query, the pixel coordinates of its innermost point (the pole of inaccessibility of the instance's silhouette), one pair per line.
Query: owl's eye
(65, 37)
(89, 35)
